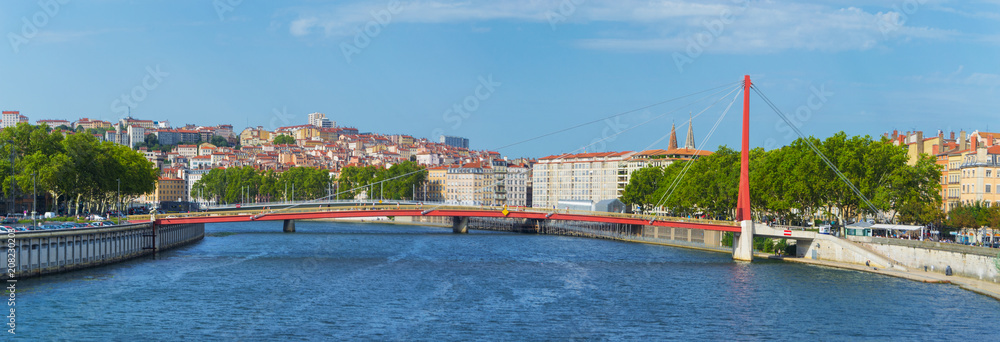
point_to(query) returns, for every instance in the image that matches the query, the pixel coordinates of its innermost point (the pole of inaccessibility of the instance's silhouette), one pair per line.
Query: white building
(136, 135)
(320, 120)
(191, 177)
(516, 185)
(10, 118)
(582, 177)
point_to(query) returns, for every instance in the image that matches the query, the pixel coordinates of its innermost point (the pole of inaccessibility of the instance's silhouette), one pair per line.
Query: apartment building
(517, 185)
(169, 189)
(980, 170)
(471, 184)
(580, 177)
(255, 136)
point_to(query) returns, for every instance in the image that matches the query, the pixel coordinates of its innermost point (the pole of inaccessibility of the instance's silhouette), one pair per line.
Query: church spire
(689, 142)
(672, 144)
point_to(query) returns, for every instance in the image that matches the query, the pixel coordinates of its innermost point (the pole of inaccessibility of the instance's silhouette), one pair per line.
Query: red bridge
(458, 212)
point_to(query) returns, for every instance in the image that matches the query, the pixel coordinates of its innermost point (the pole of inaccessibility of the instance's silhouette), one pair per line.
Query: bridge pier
(460, 225)
(289, 226)
(743, 242)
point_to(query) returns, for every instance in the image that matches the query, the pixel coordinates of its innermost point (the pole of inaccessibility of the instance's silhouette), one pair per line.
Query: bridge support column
(289, 226)
(743, 242)
(460, 225)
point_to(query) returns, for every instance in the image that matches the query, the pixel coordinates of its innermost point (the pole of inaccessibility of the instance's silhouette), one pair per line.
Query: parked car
(108, 223)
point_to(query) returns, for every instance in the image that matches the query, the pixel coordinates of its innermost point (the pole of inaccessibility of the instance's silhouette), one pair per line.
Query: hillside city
(460, 175)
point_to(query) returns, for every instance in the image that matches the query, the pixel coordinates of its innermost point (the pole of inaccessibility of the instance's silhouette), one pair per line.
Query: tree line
(794, 185)
(247, 184)
(976, 214)
(395, 182)
(77, 170)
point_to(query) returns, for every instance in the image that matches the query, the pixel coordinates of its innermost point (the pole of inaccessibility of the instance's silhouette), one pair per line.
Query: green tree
(79, 168)
(793, 183)
(641, 187)
(220, 141)
(151, 140)
(283, 140)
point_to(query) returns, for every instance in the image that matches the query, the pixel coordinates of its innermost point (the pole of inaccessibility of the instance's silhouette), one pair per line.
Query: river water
(335, 281)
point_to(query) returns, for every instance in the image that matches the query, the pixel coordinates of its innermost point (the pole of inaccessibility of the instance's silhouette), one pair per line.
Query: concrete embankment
(985, 288)
(979, 263)
(39, 253)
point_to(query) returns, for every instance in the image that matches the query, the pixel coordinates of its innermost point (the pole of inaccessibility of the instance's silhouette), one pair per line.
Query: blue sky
(402, 66)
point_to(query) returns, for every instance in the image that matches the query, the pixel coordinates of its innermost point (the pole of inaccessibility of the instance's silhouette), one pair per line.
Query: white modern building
(136, 134)
(10, 118)
(516, 185)
(583, 177)
(320, 120)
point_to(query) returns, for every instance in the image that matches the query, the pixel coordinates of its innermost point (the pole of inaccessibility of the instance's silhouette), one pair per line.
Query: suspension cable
(657, 117)
(816, 150)
(677, 179)
(613, 116)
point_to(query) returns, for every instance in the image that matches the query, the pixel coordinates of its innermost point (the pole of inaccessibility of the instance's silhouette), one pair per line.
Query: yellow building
(436, 187)
(301, 132)
(255, 136)
(954, 179)
(87, 123)
(328, 134)
(916, 145)
(980, 175)
(168, 190)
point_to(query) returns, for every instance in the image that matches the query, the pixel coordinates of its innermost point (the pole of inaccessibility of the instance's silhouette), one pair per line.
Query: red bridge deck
(321, 213)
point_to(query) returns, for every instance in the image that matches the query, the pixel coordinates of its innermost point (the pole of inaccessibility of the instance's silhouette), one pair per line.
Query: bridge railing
(308, 202)
(400, 206)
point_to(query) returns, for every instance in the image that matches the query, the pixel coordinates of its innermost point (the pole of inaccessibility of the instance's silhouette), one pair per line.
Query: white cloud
(958, 77)
(659, 25)
(301, 26)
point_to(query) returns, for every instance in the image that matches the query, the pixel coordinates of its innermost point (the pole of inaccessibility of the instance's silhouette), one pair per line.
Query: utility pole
(12, 184)
(34, 200)
(119, 204)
